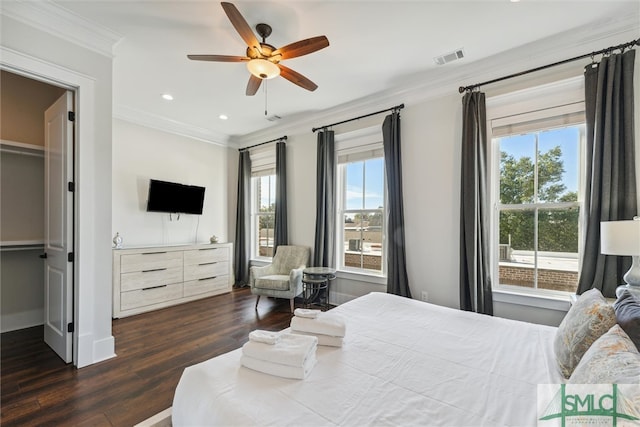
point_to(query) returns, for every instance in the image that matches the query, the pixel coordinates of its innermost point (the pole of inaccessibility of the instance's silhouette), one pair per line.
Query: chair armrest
(295, 276)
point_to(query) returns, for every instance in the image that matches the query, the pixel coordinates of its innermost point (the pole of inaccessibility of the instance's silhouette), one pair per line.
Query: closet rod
(282, 138)
(397, 107)
(622, 46)
(21, 153)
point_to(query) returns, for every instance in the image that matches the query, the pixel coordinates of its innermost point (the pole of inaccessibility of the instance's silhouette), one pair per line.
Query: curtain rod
(282, 138)
(397, 107)
(623, 46)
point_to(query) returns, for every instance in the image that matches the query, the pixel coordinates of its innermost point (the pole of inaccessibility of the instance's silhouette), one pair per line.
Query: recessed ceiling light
(167, 96)
(514, 1)
(223, 117)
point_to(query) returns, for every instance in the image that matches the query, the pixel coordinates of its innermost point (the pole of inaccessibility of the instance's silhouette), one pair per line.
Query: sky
(567, 138)
(371, 185)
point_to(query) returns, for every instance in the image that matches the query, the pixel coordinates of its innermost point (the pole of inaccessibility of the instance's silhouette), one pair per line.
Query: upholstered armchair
(283, 277)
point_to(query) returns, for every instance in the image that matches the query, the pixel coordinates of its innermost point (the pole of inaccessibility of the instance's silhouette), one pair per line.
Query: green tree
(267, 221)
(557, 228)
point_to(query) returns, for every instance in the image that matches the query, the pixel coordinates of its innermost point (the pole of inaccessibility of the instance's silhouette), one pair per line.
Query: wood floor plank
(152, 351)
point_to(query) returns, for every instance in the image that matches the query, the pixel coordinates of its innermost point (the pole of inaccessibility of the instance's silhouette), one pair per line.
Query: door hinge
(70, 257)
(72, 116)
(70, 327)
(71, 186)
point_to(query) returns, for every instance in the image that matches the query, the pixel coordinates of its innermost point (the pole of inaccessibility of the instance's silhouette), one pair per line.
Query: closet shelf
(14, 147)
(21, 245)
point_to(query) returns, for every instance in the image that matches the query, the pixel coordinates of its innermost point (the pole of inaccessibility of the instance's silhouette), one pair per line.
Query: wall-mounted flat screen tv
(172, 197)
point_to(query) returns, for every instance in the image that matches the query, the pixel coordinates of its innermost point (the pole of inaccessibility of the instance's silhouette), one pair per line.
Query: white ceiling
(375, 47)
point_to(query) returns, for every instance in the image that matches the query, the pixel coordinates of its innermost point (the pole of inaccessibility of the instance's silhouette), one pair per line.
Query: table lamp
(623, 238)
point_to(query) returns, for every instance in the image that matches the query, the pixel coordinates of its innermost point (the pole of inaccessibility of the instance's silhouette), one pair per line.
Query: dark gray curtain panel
(281, 230)
(243, 220)
(325, 235)
(397, 280)
(611, 177)
(475, 271)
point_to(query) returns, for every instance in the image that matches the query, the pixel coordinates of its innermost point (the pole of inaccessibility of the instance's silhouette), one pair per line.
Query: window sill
(553, 301)
(361, 277)
(260, 262)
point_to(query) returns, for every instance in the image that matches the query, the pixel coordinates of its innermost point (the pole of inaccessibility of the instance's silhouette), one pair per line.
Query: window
(538, 175)
(263, 193)
(264, 204)
(361, 203)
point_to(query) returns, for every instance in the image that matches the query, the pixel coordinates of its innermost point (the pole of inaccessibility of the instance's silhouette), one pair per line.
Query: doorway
(33, 292)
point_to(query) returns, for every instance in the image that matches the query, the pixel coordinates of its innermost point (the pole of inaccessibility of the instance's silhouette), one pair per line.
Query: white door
(58, 227)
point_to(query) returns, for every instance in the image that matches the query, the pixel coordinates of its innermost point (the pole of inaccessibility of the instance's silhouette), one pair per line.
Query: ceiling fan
(263, 59)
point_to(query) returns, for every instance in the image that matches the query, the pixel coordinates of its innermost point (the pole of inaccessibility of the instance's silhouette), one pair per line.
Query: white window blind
(263, 161)
(548, 118)
(359, 145)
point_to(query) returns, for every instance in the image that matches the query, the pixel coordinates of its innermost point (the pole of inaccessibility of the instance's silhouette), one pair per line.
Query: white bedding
(403, 362)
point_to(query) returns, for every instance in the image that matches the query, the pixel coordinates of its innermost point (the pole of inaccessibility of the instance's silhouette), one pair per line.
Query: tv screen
(172, 197)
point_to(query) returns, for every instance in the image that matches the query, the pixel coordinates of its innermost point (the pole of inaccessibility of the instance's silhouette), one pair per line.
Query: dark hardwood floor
(153, 349)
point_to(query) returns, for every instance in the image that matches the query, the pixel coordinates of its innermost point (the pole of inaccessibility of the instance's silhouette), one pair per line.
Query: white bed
(404, 362)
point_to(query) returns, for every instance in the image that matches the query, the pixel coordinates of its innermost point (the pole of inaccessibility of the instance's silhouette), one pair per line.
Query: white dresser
(149, 278)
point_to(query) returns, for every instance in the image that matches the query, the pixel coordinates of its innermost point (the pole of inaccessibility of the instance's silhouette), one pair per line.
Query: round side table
(315, 284)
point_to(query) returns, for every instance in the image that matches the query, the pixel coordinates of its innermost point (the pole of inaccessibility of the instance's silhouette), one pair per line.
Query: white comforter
(403, 362)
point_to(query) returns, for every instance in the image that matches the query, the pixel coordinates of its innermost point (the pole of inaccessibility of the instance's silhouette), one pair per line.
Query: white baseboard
(22, 320)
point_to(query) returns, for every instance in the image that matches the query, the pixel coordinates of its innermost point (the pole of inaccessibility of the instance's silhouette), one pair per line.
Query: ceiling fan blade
(241, 26)
(297, 78)
(253, 85)
(219, 58)
(302, 47)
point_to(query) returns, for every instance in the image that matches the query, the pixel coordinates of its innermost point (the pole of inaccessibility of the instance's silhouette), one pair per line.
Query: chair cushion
(627, 309)
(590, 317)
(278, 282)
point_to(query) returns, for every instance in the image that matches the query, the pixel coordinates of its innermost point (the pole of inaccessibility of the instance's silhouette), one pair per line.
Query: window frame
(256, 214)
(263, 163)
(543, 102)
(356, 143)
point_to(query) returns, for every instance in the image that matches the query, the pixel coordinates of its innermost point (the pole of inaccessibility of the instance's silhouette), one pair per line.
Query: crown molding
(165, 124)
(445, 80)
(50, 17)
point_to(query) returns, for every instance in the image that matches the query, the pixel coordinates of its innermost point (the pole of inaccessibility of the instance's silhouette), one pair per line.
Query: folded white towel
(295, 372)
(292, 350)
(267, 337)
(326, 340)
(307, 312)
(326, 323)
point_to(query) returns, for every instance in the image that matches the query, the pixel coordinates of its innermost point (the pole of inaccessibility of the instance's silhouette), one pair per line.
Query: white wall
(431, 132)
(35, 51)
(140, 154)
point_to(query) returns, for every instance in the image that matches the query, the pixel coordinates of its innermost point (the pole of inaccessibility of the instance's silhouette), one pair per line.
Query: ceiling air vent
(448, 57)
(274, 118)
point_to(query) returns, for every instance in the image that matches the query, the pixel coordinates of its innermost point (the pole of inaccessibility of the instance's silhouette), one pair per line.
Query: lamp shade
(620, 237)
(263, 69)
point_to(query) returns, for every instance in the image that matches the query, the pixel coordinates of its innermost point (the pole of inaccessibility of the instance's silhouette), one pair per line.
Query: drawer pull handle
(153, 253)
(208, 263)
(207, 249)
(155, 269)
(208, 278)
(154, 287)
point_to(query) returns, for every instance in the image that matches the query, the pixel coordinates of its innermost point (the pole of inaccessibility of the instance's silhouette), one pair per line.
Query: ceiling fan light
(263, 69)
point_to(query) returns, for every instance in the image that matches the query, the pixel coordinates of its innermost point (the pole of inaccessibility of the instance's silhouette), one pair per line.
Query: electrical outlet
(425, 296)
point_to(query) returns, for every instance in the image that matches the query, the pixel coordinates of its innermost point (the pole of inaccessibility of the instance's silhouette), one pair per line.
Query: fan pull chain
(265, 97)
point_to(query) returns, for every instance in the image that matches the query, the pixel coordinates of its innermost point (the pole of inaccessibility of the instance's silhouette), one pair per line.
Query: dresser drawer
(199, 256)
(149, 296)
(149, 278)
(205, 270)
(151, 260)
(201, 286)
